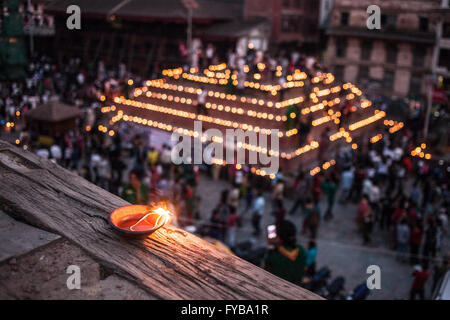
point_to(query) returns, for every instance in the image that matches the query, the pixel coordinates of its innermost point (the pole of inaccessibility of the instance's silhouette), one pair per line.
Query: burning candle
(139, 220)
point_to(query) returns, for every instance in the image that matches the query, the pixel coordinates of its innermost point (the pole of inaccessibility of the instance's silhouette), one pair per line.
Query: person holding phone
(287, 259)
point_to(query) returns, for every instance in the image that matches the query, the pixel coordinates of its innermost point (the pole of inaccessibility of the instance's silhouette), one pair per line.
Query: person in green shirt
(288, 259)
(135, 192)
(329, 188)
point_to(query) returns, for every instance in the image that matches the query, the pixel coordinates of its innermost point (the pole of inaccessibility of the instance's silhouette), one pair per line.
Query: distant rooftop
(207, 9)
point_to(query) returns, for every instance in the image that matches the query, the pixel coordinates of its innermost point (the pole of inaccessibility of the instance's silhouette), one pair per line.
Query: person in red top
(279, 212)
(415, 239)
(418, 285)
(231, 228)
(316, 190)
(407, 163)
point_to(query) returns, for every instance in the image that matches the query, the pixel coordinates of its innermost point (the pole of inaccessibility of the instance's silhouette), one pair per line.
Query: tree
(12, 49)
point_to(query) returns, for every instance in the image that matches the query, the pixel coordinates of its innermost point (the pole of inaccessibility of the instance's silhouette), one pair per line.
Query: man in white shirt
(56, 152)
(43, 153)
(201, 101)
(258, 212)
(374, 198)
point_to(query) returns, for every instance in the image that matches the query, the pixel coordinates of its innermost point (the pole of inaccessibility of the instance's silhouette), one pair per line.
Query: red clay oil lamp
(139, 221)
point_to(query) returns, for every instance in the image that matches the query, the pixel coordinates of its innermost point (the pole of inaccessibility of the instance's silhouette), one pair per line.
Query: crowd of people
(396, 194)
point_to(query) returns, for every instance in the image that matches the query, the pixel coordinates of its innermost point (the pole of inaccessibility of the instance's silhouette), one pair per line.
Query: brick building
(138, 33)
(395, 60)
(292, 21)
(443, 54)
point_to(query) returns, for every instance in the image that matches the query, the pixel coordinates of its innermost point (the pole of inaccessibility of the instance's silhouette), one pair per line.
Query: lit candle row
(224, 108)
(194, 116)
(342, 133)
(320, 106)
(325, 119)
(396, 127)
(108, 109)
(362, 123)
(376, 138)
(324, 166)
(217, 94)
(253, 170)
(167, 127)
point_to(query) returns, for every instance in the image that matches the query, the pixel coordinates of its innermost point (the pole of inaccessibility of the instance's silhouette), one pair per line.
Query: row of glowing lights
(228, 123)
(164, 126)
(313, 96)
(325, 166)
(253, 170)
(223, 77)
(331, 116)
(297, 75)
(178, 99)
(324, 92)
(395, 125)
(327, 78)
(249, 84)
(103, 129)
(232, 97)
(251, 113)
(419, 152)
(376, 138)
(362, 123)
(272, 176)
(342, 133)
(321, 105)
(261, 102)
(194, 116)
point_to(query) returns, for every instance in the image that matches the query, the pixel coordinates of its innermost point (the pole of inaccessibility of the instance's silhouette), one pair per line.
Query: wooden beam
(169, 264)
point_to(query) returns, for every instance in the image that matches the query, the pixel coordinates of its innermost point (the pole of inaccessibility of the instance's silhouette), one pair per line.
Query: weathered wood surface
(170, 264)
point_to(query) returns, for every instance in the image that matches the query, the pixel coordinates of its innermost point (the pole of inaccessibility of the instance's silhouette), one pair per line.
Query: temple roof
(53, 111)
(207, 9)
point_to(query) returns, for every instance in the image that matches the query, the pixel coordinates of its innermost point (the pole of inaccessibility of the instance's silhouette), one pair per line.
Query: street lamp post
(190, 5)
(431, 81)
(30, 29)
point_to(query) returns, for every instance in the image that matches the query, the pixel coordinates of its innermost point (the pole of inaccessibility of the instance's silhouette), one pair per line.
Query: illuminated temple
(169, 104)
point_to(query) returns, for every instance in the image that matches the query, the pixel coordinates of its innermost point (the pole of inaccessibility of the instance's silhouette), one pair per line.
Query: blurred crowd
(393, 190)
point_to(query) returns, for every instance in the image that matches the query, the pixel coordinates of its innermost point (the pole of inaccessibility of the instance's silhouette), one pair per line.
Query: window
(391, 53)
(388, 81)
(444, 58)
(419, 53)
(446, 30)
(286, 3)
(366, 50)
(415, 84)
(341, 47)
(298, 3)
(290, 24)
(363, 73)
(339, 72)
(423, 24)
(388, 21)
(344, 18)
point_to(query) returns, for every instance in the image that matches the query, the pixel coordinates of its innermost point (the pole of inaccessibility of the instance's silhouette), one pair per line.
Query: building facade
(396, 60)
(291, 21)
(443, 50)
